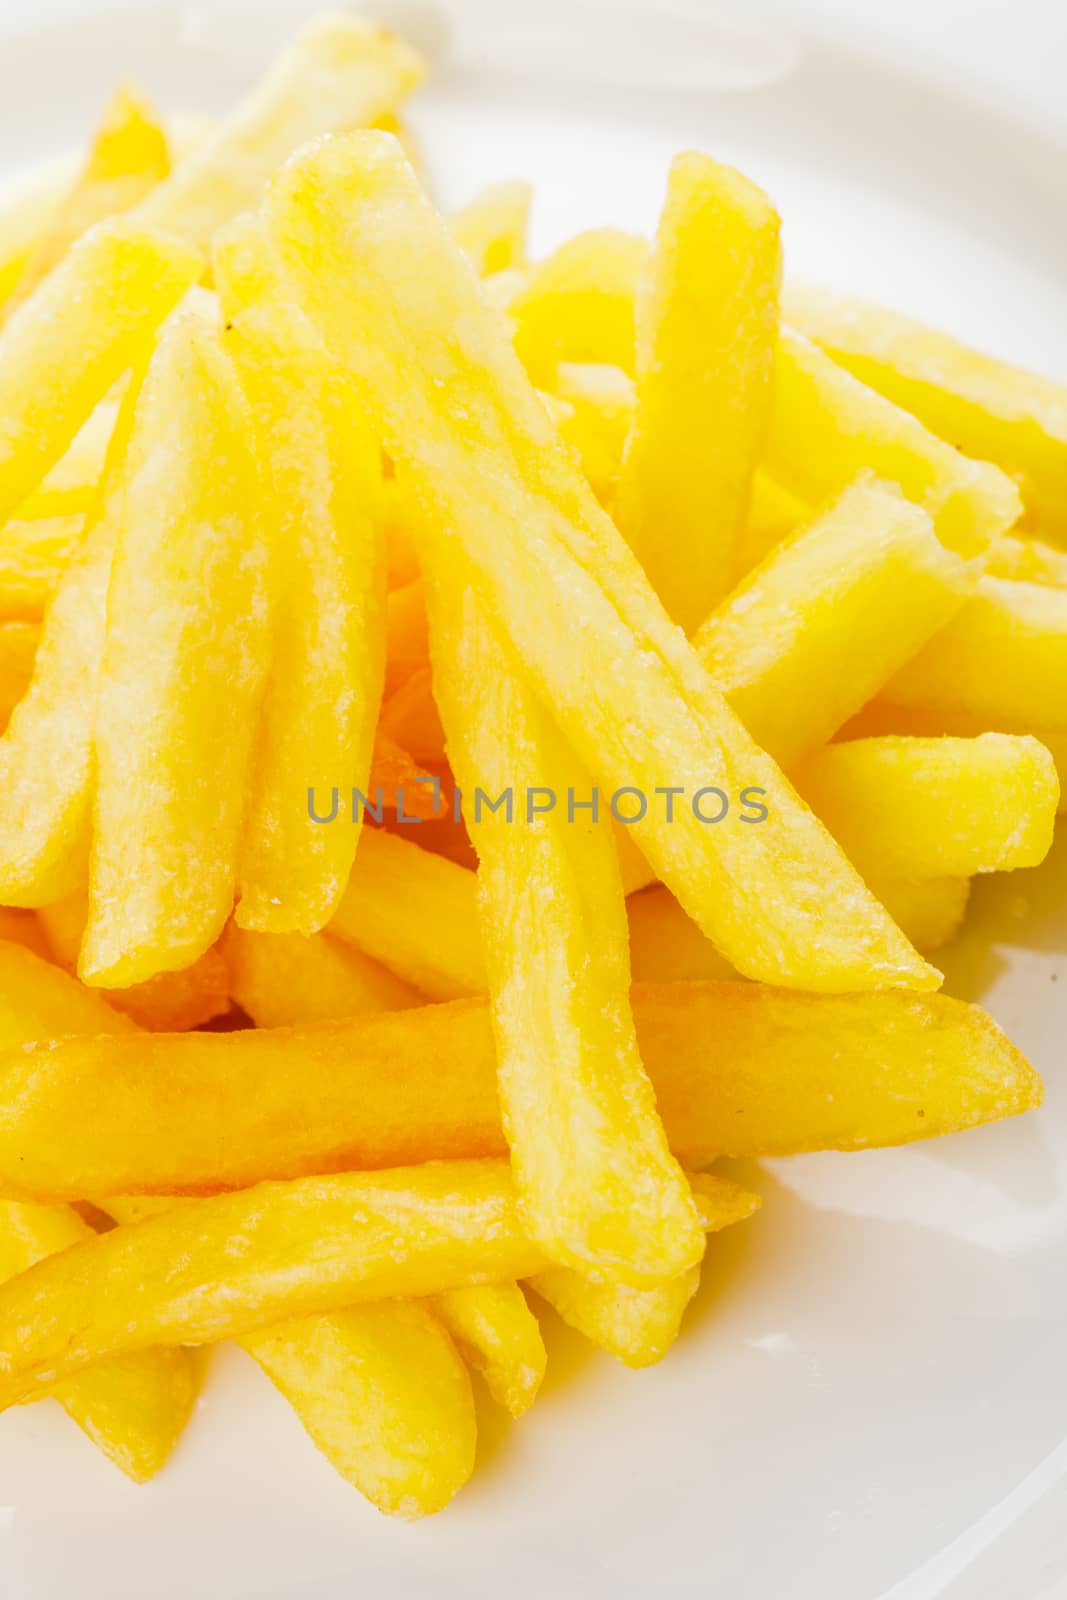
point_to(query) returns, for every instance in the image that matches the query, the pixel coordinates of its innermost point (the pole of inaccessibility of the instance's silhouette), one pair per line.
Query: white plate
(870, 1398)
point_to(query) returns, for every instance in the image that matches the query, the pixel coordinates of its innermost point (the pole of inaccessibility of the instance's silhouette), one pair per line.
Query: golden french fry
(19, 643)
(38, 1000)
(385, 1397)
(129, 155)
(988, 409)
(170, 1002)
(414, 912)
(930, 910)
(578, 304)
(773, 514)
(666, 946)
(407, 642)
(1028, 561)
(326, 580)
(338, 73)
(1001, 663)
(66, 345)
(500, 1336)
(491, 228)
(826, 427)
(829, 616)
(599, 1187)
(410, 716)
(185, 660)
(738, 1069)
(602, 401)
(283, 978)
(34, 554)
(935, 808)
(707, 327)
(502, 501)
(638, 1326)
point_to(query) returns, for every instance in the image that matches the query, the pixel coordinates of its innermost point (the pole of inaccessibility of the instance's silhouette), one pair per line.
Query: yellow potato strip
(500, 1336)
(502, 502)
(578, 304)
(185, 659)
(599, 1187)
(803, 641)
(707, 327)
(66, 345)
(988, 409)
(282, 978)
(338, 73)
(491, 228)
(738, 1069)
(932, 808)
(326, 579)
(826, 427)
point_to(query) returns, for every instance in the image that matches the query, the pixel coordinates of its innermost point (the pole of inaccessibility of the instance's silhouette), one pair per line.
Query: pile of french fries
(329, 522)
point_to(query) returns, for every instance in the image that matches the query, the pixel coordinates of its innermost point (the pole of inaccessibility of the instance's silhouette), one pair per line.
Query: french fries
(706, 330)
(189, 577)
(578, 304)
(283, 978)
(500, 1336)
(990, 410)
(599, 1188)
(738, 1070)
(758, 892)
(326, 593)
(491, 228)
(19, 643)
(34, 554)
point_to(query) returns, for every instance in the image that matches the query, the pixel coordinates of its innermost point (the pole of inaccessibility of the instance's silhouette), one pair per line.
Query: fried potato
(416, 913)
(988, 409)
(773, 514)
(738, 1069)
(338, 73)
(128, 156)
(27, 205)
(184, 665)
(578, 304)
(666, 946)
(19, 643)
(397, 783)
(930, 910)
(236, 1263)
(503, 502)
(24, 928)
(707, 327)
(170, 1002)
(284, 978)
(598, 1185)
(66, 345)
(935, 808)
(1028, 561)
(34, 554)
(602, 401)
(72, 487)
(491, 228)
(410, 716)
(829, 616)
(1001, 662)
(499, 1335)
(321, 470)
(407, 647)
(385, 1397)
(826, 427)
(638, 1326)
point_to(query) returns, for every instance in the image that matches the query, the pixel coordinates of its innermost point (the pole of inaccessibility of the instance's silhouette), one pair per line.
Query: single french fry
(414, 912)
(813, 632)
(491, 228)
(128, 156)
(383, 1394)
(773, 514)
(407, 642)
(326, 593)
(170, 1002)
(283, 978)
(72, 487)
(66, 345)
(1028, 561)
(1000, 662)
(503, 503)
(638, 1326)
(19, 643)
(578, 304)
(935, 808)
(338, 73)
(930, 910)
(34, 554)
(826, 426)
(666, 946)
(185, 659)
(602, 402)
(38, 1000)
(738, 1070)
(410, 716)
(599, 1187)
(988, 409)
(707, 327)
(499, 1335)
